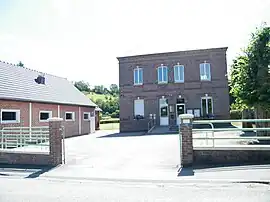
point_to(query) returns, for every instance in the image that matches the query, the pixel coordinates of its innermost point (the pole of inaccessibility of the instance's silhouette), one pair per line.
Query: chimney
(40, 79)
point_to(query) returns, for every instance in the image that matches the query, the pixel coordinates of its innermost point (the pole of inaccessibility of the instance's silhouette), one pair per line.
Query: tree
(20, 64)
(250, 76)
(82, 86)
(114, 89)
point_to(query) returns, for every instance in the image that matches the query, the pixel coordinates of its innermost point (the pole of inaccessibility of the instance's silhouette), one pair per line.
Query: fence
(223, 145)
(230, 136)
(33, 146)
(25, 139)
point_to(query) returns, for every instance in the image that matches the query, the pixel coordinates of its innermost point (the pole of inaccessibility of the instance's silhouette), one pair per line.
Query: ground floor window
(70, 116)
(206, 106)
(10, 116)
(86, 116)
(138, 108)
(45, 115)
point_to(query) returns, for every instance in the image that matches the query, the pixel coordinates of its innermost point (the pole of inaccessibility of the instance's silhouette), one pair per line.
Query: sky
(80, 39)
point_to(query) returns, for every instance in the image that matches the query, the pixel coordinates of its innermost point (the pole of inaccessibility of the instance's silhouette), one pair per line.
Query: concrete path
(108, 155)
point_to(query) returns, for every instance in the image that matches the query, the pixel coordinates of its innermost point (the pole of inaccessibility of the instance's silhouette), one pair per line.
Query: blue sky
(80, 39)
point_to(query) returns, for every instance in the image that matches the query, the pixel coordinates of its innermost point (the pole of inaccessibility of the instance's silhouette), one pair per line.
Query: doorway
(163, 112)
(180, 109)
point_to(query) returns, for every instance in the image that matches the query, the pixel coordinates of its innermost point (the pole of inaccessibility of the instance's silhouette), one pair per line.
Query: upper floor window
(205, 72)
(162, 74)
(138, 76)
(179, 73)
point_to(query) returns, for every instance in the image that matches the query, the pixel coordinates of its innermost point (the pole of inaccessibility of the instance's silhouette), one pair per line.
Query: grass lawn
(94, 96)
(109, 126)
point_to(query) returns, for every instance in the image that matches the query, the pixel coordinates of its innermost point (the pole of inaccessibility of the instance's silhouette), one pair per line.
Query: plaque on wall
(189, 111)
(197, 112)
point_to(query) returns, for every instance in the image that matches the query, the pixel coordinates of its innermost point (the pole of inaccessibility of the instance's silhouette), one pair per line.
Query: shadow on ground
(37, 170)
(133, 134)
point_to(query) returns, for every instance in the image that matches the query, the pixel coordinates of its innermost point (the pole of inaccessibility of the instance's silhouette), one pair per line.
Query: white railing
(226, 137)
(24, 139)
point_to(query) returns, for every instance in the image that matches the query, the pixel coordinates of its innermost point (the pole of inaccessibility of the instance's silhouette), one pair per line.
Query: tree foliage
(82, 86)
(250, 76)
(20, 64)
(110, 103)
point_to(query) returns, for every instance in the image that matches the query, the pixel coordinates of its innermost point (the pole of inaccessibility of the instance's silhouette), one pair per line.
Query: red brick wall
(71, 127)
(85, 124)
(37, 107)
(24, 112)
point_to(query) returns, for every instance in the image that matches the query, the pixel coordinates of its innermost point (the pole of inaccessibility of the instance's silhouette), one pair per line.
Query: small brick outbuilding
(28, 98)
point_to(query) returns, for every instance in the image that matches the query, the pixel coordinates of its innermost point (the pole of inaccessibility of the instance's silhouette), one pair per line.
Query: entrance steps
(163, 130)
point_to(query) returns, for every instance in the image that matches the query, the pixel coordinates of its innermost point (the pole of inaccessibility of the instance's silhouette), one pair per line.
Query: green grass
(94, 96)
(109, 126)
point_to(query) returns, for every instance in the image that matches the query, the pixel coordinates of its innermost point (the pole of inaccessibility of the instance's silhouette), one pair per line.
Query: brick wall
(230, 156)
(25, 159)
(37, 107)
(192, 89)
(24, 112)
(86, 123)
(71, 127)
(53, 158)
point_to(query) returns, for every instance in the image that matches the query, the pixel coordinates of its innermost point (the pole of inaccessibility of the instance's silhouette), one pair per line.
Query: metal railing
(233, 136)
(24, 139)
(150, 125)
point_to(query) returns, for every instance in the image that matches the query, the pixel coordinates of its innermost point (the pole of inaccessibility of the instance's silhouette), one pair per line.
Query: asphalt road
(33, 190)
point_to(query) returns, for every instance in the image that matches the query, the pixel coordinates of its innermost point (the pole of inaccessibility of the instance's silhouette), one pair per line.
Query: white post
(80, 121)
(58, 111)
(30, 121)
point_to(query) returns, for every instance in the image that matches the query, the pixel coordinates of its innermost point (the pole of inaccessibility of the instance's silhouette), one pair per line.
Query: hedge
(109, 121)
(236, 114)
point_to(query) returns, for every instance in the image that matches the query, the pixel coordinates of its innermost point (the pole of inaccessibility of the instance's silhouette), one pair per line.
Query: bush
(115, 114)
(109, 121)
(236, 114)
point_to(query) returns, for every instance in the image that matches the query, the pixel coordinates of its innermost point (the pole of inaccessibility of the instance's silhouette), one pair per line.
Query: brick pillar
(187, 143)
(55, 130)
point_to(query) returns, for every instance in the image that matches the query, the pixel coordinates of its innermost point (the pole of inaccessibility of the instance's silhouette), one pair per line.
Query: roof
(18, 83)
(98, 109)
(195, 51)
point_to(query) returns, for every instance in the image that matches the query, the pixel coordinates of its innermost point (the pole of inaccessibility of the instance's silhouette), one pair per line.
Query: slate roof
(18, 83)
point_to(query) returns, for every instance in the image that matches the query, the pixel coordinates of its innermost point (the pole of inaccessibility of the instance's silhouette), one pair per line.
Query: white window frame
(203, 65)
(89, 114)
(73, 116)
(162, 72)
(18, 116)
(50, 115)
(177, 68)
(135, 114)
(207, 98)
(137, 71)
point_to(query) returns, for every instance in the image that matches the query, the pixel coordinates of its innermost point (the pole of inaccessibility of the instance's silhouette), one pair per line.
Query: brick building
(166, 85)
(28, 98)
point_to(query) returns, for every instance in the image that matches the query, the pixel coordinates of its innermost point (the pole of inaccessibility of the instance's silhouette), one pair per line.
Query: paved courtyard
(103, 154)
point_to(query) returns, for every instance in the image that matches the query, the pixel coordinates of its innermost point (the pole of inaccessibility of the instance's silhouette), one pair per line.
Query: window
(205, 72)
(162, 74)
(70, 116)
(138, 108)
(86, 116)
(179, 73)
(206, 106)
(10, 116)
(45, 115)
(138, 76)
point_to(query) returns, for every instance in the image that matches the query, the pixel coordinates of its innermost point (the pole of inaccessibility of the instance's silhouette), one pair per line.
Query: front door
(163, 112)
(180, 109)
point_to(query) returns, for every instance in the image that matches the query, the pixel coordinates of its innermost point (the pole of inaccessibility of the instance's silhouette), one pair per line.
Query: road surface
(33, 190)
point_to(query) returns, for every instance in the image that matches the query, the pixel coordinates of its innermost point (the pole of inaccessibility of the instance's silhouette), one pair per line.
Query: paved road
(33, 190)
